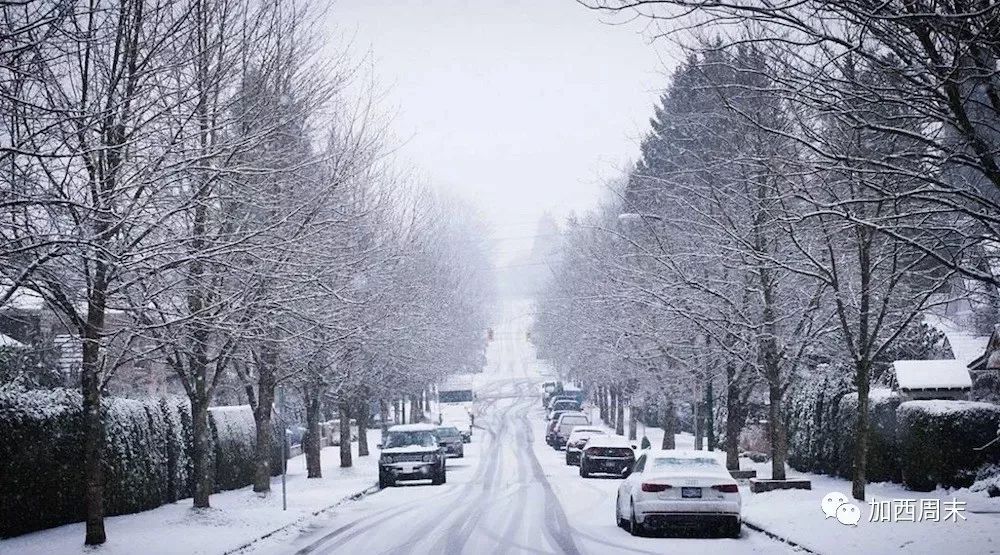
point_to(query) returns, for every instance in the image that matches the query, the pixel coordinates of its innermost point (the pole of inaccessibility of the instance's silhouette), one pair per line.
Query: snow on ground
(796, 514)
(236, 517)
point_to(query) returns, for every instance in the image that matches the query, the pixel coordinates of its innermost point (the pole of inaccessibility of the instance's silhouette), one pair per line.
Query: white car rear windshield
(574, 420)
(674, 462)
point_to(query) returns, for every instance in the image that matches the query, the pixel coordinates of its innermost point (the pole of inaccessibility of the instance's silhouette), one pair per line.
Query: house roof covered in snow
(966, 346)
(931, 374)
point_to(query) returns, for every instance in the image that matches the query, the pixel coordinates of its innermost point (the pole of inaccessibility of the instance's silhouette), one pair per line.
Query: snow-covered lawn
(236, 517)
(796, 515)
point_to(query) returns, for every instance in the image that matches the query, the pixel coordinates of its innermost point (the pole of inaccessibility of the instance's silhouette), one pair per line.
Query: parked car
(562, 426)
(577, 439)
(565, 404)
(549, 389)
(607, 454)
(573, 392)
(451, 439)
(411, 452)
(565, 426)
(558, 397)
(678, 488)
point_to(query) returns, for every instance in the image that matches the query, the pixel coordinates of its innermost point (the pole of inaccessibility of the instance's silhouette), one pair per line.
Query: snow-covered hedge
(147, 455)
(883, 464)
(815, 424)
(234, 436)
(821, 424)
(937, 441)
(40, 460)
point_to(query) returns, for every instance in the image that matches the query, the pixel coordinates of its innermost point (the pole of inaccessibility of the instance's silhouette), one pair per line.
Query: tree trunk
(632, 420)
(734, 420)
(401, 412)
(200, 452)
(415, 410)
(602, 405)
(619, 413)
(383, 407)
(313, 443)
(698, 422)
(778, 435)
(710, 417)
(669, 426)
(266, 383)
(93, 433)
(860, 478)
(345, 435)
(362, 418)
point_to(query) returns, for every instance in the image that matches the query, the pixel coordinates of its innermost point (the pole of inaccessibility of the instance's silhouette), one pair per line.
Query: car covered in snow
(577, 439)
(606, 454)
(411, 452)
(564, 404)
(565, 425)
(556, 398)
(451, 440)
(675, 488)
(549, 389)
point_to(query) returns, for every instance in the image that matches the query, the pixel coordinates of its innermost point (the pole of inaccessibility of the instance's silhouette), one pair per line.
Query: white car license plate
(691, 493)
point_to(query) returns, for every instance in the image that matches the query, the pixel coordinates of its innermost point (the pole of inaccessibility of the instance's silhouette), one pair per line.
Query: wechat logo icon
(835, 505)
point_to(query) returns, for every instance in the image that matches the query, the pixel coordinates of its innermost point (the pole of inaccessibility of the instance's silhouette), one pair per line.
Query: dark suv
(451, 440)
(411, 452)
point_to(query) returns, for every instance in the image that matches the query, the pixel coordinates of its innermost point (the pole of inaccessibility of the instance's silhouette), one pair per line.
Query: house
(985, 370)
(932, 379)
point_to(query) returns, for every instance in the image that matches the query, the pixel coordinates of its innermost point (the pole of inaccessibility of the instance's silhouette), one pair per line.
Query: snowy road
(510, 494)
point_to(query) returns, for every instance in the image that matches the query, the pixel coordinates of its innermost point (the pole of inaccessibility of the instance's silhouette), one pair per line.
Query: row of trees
(817, 177)
(189, 186)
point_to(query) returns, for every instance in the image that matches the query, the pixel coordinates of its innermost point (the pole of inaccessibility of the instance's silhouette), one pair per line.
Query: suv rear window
(405, 439)
(574, 420)
(622, 452)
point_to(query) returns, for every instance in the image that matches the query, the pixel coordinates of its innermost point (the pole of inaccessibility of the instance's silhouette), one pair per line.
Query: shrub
(883, 452)
(41, 446)
(234, 437)
(147, 457)
(815, 424)
(822, 419)
(937, 441)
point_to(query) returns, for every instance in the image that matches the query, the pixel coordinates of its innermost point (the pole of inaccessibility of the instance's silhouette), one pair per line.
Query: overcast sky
(521, 106)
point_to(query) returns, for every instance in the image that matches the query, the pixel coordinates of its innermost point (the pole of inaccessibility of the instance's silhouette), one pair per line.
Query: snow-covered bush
(147, 456)
(814, 423)
(883, 448)
(821, 421)
(937, 441)
(234, 436)
(41, 449)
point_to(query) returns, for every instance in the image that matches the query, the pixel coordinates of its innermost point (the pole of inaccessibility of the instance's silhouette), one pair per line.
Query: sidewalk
(236, 518)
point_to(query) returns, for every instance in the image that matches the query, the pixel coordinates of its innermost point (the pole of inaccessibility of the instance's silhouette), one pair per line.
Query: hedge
(147, 455)
(821, 426)
(937, 441)
(815, 424)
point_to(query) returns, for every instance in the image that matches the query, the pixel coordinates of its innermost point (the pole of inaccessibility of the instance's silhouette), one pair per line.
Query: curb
(352, 497)
(776, 537)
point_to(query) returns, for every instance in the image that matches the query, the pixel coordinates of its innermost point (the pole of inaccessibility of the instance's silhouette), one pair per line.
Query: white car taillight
(654, 488)
(727, 488)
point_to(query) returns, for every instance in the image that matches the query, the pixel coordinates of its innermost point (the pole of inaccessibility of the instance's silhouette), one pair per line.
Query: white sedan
(678, 488)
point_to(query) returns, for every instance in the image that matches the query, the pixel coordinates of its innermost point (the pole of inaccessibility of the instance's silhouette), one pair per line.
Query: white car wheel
(635, 527)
